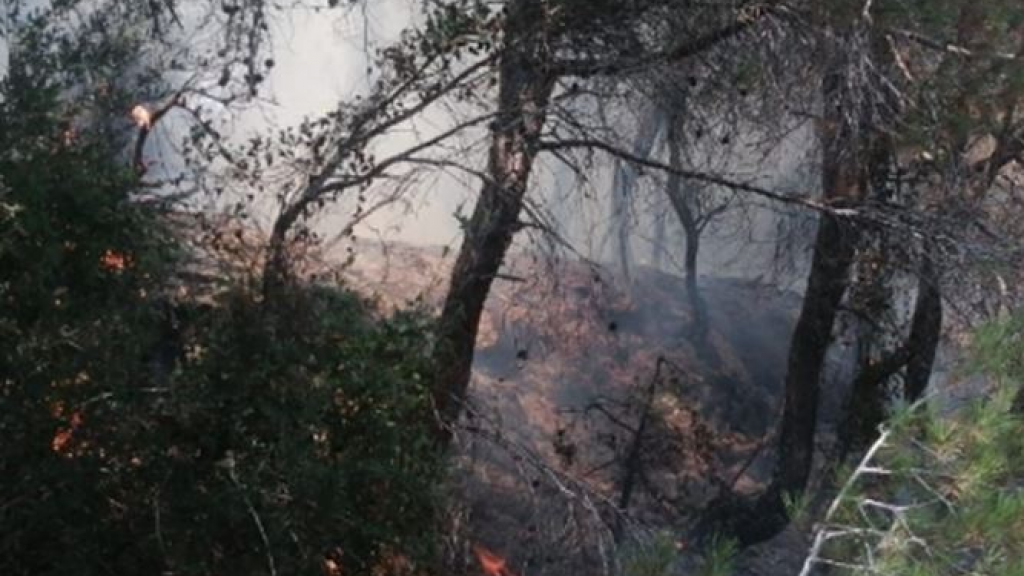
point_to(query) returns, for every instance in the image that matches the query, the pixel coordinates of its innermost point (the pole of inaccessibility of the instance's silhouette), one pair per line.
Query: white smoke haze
(324, 57)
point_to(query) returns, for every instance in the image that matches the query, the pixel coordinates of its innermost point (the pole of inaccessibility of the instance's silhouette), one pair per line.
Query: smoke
(600, 209)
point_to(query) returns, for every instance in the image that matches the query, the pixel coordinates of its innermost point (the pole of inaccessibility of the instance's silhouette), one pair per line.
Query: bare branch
(795, 200)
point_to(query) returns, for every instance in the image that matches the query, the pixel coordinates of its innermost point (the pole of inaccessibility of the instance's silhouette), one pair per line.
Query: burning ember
(142, 117)
(491, 563)
(61, 442)
(113, 261)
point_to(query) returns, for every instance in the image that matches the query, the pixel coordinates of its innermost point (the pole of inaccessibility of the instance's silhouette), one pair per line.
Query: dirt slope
(568, 365)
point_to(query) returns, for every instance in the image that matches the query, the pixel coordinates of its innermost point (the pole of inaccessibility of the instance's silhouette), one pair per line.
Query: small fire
(491, 563)
(113, 261)
(142, 117)
(331, 568)
(61, 442)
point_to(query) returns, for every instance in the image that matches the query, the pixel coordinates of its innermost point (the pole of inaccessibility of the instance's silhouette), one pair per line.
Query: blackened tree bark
(925, 333)
(915, 356)
(276, 265)
(843, 182)
(834, 252)
(834, 249)
(524, 87)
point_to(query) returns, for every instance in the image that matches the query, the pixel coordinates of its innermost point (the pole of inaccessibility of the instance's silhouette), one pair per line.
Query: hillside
(569, 364)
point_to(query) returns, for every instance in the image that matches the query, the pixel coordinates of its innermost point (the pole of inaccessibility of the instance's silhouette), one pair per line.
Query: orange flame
(61, 442)
(113, 261)
(491, 563)
(142, 117)
(331, 568)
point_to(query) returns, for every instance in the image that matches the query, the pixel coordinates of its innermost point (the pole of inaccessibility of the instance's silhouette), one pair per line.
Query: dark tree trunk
(871, 296)
(276, 268)
(698, 306)
(866, 409)
(916, 355)
(925, 333)
(834, 248)
(524, 90)
(833, 256)
(843, 183)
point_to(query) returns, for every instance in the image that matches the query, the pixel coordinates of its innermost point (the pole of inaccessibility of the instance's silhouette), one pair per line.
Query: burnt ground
(596, 416)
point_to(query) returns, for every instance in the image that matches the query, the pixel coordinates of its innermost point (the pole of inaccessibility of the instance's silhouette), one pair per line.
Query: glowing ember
(331, 568)
(142, 117)
(61, 442)
(491, 563)
(113, 261)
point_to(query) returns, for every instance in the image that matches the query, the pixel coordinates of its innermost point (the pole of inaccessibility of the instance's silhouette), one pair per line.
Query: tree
(329, 157)
(856, 166)
(152, 422)
(932, 494)
(541, 46)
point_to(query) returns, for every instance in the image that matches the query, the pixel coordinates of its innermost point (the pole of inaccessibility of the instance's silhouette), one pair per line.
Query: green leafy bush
(144, 435)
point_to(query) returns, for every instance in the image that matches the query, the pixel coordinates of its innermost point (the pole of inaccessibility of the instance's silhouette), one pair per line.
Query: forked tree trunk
(682, 205)
(916, 355)
(524, 90)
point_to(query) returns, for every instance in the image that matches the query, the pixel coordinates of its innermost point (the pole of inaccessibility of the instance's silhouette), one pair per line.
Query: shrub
(940, 493)
(143, 435)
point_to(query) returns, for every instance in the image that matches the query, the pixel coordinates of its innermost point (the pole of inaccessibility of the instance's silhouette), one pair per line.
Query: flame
(331, 568)
(61, 442)
(142, 117)
(491, 563)
(113, 261)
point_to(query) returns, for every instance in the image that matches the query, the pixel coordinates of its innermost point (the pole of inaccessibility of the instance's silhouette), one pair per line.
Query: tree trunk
(833, 256)
(925, 333)
(681, 205)
(916, 355)
(624, 185)
(275, 264)
(524, 90)
(834, 250)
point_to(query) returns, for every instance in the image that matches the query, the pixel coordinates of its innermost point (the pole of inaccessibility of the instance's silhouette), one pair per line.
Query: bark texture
(843, 184)
(523, 93)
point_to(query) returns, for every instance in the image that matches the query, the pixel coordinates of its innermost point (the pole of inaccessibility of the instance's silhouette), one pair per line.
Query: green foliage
(949, 499)
(659, 556)
(143, 434)
(795, 505)
(999, 349)
(652, 557)
(719, 557)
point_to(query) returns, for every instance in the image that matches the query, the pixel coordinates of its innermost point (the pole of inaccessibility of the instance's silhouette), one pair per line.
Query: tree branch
(586, 67)
(802, 200)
